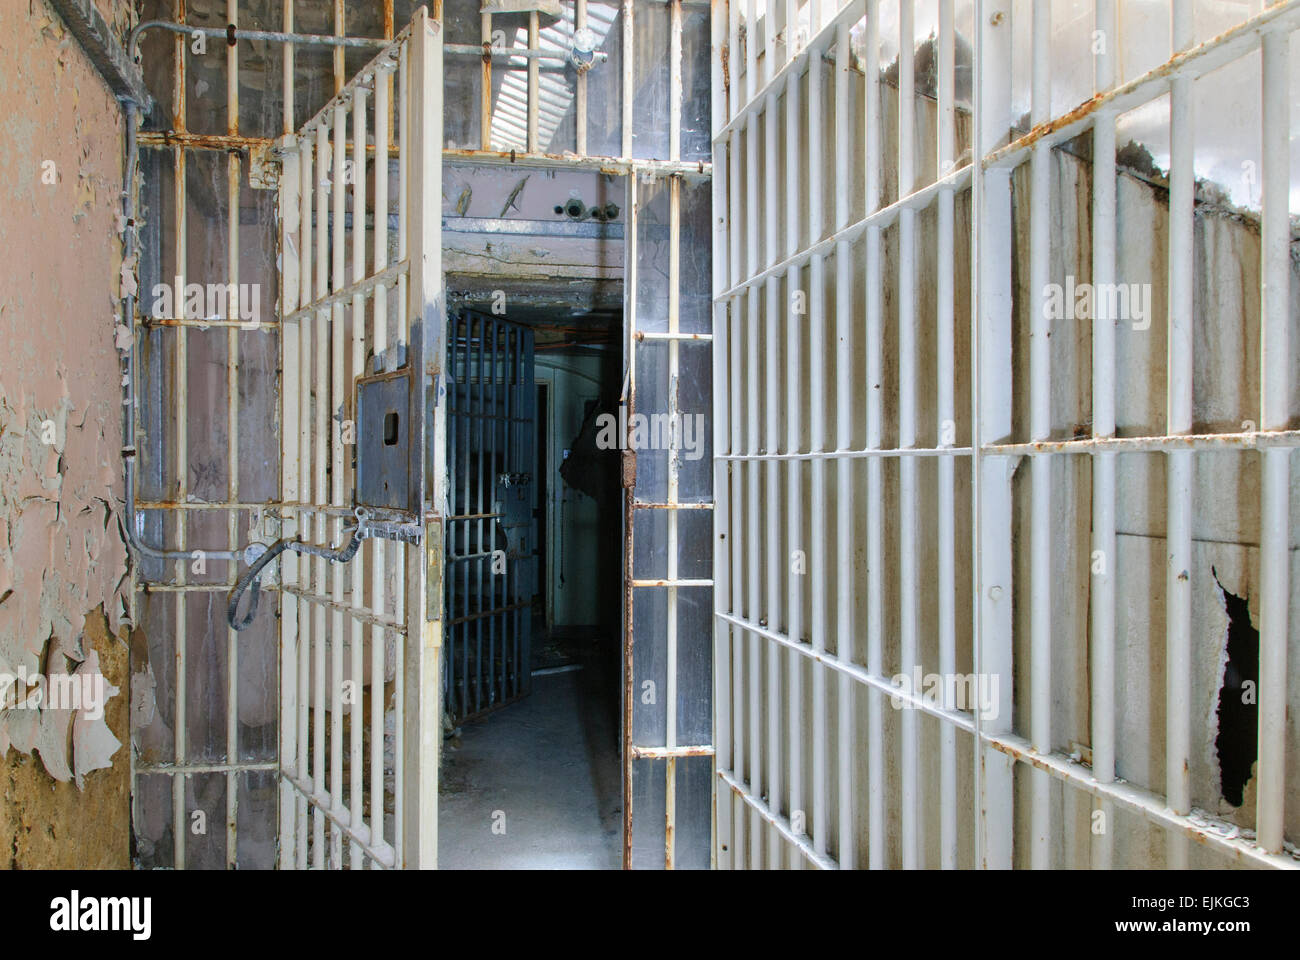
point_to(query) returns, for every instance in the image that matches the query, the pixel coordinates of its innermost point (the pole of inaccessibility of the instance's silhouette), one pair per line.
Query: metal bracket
(389, 476)
(263, 166)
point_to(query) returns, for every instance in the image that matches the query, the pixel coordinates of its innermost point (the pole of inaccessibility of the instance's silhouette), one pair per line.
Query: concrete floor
(535, 785)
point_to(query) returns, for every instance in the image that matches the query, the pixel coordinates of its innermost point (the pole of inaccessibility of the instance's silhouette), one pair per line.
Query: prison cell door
(668, 525)
(491, 569)
(362, 432)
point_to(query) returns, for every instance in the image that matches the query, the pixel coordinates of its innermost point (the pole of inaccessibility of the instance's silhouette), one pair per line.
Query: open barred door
(363, 405)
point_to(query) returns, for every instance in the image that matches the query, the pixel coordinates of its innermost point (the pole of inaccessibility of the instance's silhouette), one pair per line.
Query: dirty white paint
(61, 549)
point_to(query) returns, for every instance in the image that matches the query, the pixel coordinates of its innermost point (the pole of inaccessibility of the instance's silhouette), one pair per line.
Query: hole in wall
(390, 428)
(1238, 711)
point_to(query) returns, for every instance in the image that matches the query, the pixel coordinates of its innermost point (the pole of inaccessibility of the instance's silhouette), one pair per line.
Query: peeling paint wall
(63, 564)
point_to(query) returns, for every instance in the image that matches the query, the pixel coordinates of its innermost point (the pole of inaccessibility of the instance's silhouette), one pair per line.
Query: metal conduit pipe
(231, 34)
(130, 245)
(130, 242)
(366, 529)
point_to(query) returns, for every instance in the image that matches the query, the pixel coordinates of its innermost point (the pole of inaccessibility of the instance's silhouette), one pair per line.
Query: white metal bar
(674, 468)
(485, 91)
(580, 85)
(403, 338)
(911, 699)
(629, 74)
(232, 435)
(1151, 807)
(910, 801)
(675, 79)
(381, 549)
(289, 223)
(1275, 388)
(337, 400)
(321, 447)
(286, 82)
(844, 383)
(1179, 464)
(817, 443)
(422, 718)
(1102, 621)
(1040, 415)
(338, 51)
(991, 417)
(340, 818)
(771, 441)
(751, 59)
(355, 597)
(874, 426)
(534, 79)
(389, 276)
(753, 529)
(180, 820)
(945, 427)
(1105, 47)
(791, 29)
(775, 821)
(723, 644)
(734, 98)
(794, 399)
(301, 771)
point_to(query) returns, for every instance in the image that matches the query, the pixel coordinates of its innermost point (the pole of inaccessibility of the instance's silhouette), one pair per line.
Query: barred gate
(361, 641)
(882, 333)
(491, 565)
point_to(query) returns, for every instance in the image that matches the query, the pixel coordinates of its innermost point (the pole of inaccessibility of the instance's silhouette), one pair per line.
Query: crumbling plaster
(63, 563)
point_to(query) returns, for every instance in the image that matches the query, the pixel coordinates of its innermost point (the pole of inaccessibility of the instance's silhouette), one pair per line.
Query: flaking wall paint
(63, 565)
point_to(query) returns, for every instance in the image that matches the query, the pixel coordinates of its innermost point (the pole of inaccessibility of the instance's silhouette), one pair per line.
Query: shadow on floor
(535, 785)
